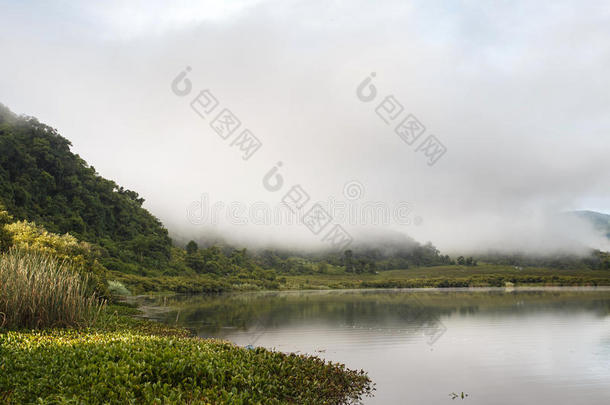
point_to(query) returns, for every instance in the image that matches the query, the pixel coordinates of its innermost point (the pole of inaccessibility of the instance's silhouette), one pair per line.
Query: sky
(512, 98)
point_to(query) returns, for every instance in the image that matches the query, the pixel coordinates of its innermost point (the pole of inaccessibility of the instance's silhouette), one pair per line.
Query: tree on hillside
(6, 240)
(194, 259)
(348, 261)
(191, 247)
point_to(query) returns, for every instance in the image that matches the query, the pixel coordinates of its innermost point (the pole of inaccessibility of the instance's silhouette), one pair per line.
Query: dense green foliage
(6, 239)
(128, 361)
(42, 181)
(36, 292)
(361, 259)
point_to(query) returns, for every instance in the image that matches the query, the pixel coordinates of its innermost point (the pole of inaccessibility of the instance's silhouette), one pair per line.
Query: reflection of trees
(388, 308)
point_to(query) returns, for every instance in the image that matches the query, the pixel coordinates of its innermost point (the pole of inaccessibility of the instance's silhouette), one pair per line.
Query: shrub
(36, 291)
(117, 288)
(80, 256)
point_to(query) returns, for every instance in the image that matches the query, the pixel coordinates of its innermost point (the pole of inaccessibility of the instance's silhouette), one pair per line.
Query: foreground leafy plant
(122, 362)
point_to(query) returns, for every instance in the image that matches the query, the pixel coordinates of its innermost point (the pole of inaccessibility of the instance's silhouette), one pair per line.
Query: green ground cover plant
(124, 360)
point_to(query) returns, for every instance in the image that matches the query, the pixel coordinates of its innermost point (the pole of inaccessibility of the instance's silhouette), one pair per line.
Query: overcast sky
(518, 92)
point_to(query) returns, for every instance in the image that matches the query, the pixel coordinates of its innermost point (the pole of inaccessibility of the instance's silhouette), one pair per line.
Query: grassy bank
(483, 275)
(193, 284)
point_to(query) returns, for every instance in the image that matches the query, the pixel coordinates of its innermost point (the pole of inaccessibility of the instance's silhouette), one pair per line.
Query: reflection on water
(545, 346)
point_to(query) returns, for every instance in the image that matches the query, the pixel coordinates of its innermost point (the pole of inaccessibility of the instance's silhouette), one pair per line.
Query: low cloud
(517, 93)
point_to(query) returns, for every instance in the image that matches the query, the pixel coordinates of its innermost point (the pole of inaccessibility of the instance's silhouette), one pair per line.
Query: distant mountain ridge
(600, 221)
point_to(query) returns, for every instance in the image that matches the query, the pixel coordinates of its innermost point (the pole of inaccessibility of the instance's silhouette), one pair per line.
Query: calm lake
(522, 346)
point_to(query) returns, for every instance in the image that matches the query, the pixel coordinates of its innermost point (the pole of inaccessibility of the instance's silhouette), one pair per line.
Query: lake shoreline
(425, 277)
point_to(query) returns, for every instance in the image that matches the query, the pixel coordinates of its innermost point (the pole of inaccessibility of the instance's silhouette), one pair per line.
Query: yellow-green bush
(29, 236)
(79, 256)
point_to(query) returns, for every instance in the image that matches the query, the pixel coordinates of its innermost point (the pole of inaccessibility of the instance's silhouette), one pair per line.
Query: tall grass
(36, 291)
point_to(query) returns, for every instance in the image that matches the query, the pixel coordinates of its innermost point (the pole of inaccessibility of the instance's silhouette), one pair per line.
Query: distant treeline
(595, 260)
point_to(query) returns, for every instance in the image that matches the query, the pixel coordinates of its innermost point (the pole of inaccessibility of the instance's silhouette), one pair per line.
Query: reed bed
(37, 291)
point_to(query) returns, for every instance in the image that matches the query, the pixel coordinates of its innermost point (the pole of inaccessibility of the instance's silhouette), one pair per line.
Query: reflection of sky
(544, 358)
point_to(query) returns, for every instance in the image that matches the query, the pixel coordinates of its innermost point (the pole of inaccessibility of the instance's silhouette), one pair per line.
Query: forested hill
(41, 180)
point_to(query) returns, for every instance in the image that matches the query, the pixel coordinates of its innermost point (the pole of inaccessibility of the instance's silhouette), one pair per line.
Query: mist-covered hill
(600, 222)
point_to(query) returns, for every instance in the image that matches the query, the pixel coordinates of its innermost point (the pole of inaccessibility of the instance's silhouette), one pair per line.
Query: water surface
(524, 346)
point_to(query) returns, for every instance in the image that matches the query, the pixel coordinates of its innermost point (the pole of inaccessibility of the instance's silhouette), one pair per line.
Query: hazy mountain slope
(41, 180)
(599, 221)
